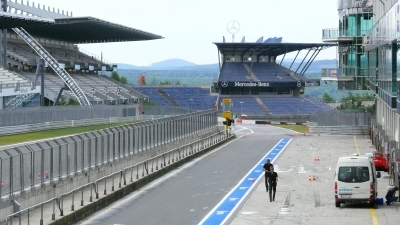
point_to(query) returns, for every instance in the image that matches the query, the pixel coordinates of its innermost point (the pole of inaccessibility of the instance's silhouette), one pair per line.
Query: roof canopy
(271, 49)
(76, 30)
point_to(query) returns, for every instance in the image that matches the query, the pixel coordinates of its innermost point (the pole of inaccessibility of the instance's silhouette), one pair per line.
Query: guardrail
(340, 130)
(10, 130)
(163, 160)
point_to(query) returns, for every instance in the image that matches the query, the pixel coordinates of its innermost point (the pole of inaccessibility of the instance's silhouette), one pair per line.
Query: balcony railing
(331, 33)
(343, 72)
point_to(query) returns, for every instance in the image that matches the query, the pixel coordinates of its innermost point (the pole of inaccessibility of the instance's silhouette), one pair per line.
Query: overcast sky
(190, 27)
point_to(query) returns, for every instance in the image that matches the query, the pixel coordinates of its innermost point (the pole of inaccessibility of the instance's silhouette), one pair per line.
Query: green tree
(115, 76)
(327, 98)
(63, 101)
(123, 80)
(166, 82)
(356, 102)
(350, 102)
(154, 81)
(178, 83)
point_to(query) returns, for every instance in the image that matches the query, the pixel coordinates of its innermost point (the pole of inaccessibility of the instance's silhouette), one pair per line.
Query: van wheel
(372, 204)
(337, 204)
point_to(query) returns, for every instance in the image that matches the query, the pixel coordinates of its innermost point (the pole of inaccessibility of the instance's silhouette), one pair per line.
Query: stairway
(67, 79)
(163, 93)
(18, 100)
(262, 105)
(251, 74)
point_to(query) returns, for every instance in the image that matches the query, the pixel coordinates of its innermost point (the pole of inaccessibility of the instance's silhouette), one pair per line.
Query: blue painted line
(225, 208)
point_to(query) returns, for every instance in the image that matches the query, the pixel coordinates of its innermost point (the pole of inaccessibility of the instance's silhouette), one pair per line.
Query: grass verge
(33, 136)
(297, 128)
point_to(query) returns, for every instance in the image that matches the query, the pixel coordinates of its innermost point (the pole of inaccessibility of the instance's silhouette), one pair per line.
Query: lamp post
(92, 95)
(241, 109)
(105, 88)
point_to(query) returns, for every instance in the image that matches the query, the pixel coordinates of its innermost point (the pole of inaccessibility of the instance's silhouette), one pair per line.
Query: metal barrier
(30, 165)
(174, 155)
(34, 115)
(343, 118)
(19, 213)
(332, 117)
(11, 130)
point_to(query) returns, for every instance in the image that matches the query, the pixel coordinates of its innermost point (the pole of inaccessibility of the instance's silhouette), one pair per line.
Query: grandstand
(259, 86)
(249, 73)
(196, 98)
(67, 70)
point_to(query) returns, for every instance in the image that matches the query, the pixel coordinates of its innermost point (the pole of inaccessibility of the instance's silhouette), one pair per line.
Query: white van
(356, 180)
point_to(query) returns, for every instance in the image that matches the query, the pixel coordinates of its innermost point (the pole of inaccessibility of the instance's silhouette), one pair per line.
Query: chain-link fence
(31, 165)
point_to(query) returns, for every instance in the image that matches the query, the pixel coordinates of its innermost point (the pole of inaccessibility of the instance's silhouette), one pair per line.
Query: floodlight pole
(40, 72)
(4, 38)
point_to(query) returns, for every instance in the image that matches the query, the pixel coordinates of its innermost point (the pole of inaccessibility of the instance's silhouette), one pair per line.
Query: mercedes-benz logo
(224, 84)
(233, 27)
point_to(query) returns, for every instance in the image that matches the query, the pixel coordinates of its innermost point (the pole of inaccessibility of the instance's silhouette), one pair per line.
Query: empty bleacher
(271, 72)
(293, 105)
(7, 77)
(97, 89)
(246, 105)
(234, 71)
(188, 97)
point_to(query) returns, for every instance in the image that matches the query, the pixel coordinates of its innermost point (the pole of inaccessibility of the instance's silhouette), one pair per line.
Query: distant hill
(172, 64)
(179, 64)
(315, 66)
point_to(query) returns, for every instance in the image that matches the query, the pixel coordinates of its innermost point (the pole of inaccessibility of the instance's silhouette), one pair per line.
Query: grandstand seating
(233, 71)
(267, 72)
(68, 54)
(188, 97)
(97, 89)
(7, 77)
(276, 105)
(271, 72)
(293, 105)
(246, 105)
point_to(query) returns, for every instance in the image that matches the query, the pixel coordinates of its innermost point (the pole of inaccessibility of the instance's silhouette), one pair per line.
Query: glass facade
(383, 56)
(355, 22)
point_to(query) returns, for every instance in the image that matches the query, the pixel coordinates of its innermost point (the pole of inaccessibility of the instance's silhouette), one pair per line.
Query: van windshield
(353, 174)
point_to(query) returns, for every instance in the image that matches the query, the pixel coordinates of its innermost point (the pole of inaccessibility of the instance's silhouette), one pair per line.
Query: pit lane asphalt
(187, 195)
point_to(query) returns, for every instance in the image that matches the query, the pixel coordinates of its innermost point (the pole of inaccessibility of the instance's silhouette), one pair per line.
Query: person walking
(272, 183)
(266, 169)
(390, 195)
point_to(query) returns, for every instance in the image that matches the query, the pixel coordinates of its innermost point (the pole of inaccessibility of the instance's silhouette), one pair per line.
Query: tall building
(368, 42)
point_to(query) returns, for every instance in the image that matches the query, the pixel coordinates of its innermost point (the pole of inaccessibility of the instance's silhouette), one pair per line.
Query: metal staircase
(18, 100)
(67, 79)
